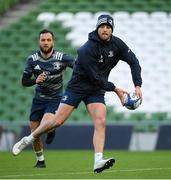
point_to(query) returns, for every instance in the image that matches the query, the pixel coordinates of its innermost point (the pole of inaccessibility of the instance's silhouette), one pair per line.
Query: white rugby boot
(103, 164)
(19, 146)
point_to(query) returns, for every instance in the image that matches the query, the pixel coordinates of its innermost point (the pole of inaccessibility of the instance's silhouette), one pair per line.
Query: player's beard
(105, 37)
(46, 50)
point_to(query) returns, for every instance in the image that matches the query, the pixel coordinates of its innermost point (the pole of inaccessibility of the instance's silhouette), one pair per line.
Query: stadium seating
(6, 4)
(152, 50)
(144, 25)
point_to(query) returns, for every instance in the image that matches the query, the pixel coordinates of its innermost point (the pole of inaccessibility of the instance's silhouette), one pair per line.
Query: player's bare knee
(100, 122)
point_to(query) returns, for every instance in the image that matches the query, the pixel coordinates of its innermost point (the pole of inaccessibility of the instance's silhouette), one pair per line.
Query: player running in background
(96, 58)
(47, 66)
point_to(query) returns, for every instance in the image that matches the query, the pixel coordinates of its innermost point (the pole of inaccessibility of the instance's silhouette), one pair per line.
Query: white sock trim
(98, 156)
(39, 155)
(29, 139)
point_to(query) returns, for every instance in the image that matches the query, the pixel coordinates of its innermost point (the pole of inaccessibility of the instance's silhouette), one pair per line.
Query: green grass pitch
(71, 164)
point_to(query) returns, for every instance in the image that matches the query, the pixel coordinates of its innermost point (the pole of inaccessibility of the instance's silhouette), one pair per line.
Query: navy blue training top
(53, 67)
(96, 59)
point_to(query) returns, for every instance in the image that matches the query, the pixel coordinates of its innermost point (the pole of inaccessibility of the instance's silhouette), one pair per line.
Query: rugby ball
(131, 101)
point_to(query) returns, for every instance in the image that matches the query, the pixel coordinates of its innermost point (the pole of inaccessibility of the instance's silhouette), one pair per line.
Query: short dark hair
(46, 31)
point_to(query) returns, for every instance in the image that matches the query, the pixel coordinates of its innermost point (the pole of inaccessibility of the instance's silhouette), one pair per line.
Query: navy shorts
(39, 108)
(74, 99)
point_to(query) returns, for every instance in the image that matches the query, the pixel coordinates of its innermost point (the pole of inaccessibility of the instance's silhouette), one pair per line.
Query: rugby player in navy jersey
(89, 81)
(45, 68)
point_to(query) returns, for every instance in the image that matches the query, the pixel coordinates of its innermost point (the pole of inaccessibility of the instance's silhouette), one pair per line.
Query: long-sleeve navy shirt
(96, 59)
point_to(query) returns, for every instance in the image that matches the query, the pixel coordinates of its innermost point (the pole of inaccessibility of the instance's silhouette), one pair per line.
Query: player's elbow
(23, 83)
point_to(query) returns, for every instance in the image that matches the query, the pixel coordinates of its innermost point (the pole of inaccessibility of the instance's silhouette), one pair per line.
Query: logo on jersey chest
(101, 59)
(56, 65)
(37, 67)
(110, 54)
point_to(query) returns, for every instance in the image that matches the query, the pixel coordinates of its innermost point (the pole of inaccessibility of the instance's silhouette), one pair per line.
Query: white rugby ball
(131, 101)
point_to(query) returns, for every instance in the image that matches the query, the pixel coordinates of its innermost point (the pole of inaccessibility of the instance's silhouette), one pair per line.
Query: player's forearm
(28, 82)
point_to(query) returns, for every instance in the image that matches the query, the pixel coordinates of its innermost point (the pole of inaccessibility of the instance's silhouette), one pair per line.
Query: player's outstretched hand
(138, 92)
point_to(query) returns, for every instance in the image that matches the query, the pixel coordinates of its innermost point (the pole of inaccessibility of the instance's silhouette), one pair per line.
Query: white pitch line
(79, 173)
(143, 169)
